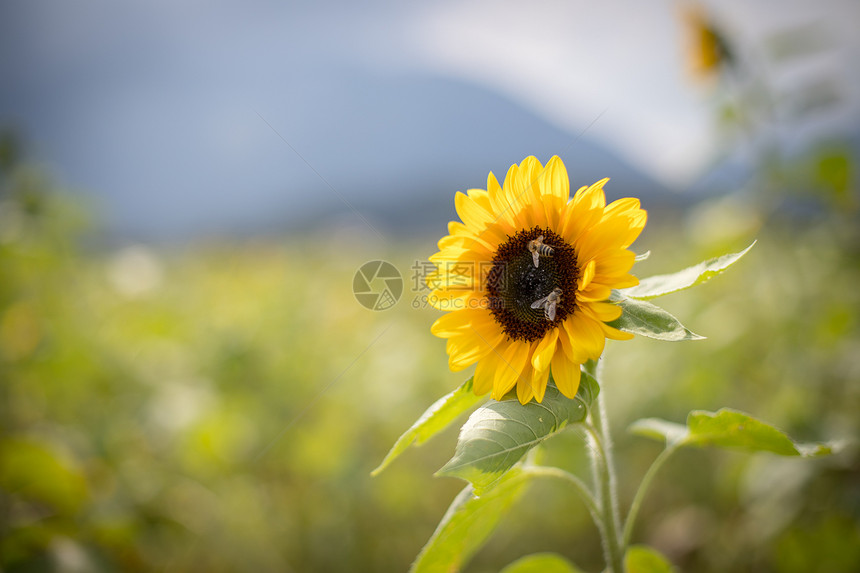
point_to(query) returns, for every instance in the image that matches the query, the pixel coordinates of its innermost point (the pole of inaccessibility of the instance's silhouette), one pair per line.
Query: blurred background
(187, 190)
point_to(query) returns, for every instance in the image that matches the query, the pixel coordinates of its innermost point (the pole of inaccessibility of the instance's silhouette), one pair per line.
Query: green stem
(578, 485)
(610, 458)
(604, 479)
(640, 493)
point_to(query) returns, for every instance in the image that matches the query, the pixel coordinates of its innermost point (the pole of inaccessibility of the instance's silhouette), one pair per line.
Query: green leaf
(644, 559)
(658, 429)
(435, 419)
(733, 429)
(35, 471)
(497, 435)
(588, 388)
(728, 428)
(645, 319)
(659, 285)
(541, 563)
(468, 523)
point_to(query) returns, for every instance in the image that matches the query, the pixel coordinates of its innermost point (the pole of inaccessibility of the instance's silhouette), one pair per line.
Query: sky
(191, 117)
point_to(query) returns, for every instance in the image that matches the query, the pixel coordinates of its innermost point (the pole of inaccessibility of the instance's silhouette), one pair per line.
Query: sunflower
(707, 48)
(525, 279)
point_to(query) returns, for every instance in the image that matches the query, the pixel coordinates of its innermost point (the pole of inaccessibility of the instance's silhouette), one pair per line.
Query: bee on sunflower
(517, 309)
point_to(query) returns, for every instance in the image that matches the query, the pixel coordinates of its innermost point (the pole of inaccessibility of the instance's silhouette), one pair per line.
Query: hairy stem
(640, 493)
(582, 489)
(603, 468)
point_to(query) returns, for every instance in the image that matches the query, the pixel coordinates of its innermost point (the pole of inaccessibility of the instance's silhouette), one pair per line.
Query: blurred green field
(220, 407)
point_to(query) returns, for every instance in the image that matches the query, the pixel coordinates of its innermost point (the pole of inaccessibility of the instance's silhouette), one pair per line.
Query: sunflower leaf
(731, 429)
(468, 523)
(728, 428)
(644, 559)
(645, 319)
(588, 388)
(541, 563)
(497, 435)
(658, 429)
(659, 285)
(435, 419)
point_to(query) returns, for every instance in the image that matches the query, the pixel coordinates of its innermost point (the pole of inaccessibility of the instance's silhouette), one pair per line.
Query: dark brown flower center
(515, 284)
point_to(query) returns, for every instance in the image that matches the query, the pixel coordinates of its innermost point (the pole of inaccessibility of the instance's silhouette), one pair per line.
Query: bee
(537, 248)
(549, 303)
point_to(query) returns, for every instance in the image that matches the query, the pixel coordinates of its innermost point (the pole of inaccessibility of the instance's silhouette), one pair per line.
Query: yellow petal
(473, 215)
(569, 344)
(566, 374)
(626, 207)
(493, 187)
(451, 300)
(482, 198)
(524, 391)
(512, 367)
(530, 170)
(587, 275)
(605, 236)
(555, 188)
(518, 194)
(611, 232)
(452, 254)
(458, 274)
(486, 370)
(458, 248)
(539, 381)
(614, 263)
(504, 212)
(594, 292)
(501, 223)
(451, 241)
(454, 323)
(495, 233)
(448, 325)
(602, 311)
(554, 179)
(583, 212)
(614, 333)
(625, 281)
(460, 235)
(592, 197)
(457, 228)
(544, 350)
(469, 347)
(585, 335)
